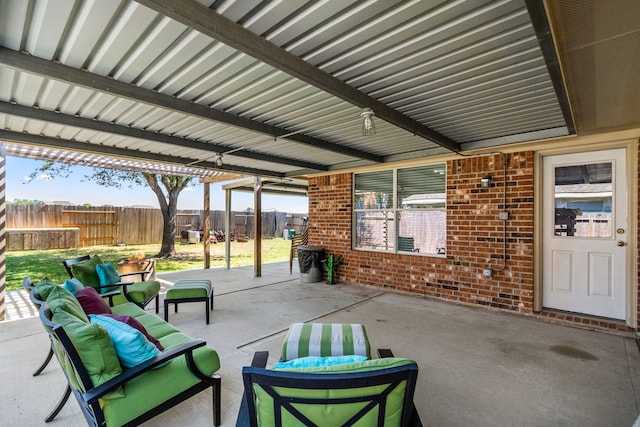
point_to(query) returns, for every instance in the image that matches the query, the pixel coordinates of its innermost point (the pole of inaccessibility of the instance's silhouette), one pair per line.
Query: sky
(75, 191)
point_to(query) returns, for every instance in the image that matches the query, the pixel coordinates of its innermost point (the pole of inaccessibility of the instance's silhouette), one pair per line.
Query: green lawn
(37, 264)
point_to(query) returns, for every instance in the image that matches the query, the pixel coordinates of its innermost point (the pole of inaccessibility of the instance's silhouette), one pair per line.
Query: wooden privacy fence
(110, 225)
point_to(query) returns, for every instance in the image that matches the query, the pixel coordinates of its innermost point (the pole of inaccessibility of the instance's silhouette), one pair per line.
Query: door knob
(620, 243)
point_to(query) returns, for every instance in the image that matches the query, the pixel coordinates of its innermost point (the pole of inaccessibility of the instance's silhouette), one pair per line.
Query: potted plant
(331, 267)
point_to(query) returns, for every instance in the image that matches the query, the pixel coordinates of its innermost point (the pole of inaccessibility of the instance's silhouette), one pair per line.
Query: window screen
(402, 210)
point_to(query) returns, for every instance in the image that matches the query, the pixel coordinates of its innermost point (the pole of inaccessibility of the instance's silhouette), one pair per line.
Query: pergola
(278, 90)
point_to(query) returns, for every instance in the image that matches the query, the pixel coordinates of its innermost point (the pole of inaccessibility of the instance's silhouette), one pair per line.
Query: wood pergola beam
(76, 77)
(84, 123)
(199, 17)
(69, 145)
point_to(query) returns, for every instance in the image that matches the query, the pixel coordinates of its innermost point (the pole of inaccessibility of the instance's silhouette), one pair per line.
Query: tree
(173, 185)
(167, 189)
(24, 202)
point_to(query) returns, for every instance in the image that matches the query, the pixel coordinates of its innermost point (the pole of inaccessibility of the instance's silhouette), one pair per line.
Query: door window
(583, 201)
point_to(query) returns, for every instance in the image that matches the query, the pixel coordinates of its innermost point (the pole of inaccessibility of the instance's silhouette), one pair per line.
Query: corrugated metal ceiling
(470, 72)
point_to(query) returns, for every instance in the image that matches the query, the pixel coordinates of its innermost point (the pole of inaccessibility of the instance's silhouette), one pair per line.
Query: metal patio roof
(277, 87)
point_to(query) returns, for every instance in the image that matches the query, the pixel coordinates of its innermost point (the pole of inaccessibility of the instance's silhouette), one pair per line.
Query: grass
(37, 264)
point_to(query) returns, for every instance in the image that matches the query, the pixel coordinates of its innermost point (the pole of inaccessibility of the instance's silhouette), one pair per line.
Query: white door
(585, 233)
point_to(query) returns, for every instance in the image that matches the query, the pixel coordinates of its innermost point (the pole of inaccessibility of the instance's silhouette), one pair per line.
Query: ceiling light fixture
(368, 126)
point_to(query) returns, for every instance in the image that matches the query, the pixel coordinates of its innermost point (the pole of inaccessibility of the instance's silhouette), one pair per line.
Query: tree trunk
(169, 208)
(168, 248)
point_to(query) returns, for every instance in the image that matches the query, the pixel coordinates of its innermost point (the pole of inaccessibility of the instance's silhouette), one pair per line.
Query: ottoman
(325, 339)
(194, 290)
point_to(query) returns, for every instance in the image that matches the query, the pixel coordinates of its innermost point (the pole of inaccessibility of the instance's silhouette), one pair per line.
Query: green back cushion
(92, 342)
(95, 348)
(337, 414)
(325, 339)
(61, 300)
(44, 287)
(85, 271)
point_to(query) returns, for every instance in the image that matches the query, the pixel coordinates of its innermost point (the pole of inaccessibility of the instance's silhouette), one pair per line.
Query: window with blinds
(401, 210)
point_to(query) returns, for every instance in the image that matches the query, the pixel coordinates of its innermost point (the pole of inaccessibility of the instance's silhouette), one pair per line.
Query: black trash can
(310, 262)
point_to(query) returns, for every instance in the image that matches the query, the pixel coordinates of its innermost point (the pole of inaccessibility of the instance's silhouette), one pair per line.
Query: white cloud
(44, 177)
(26, 179)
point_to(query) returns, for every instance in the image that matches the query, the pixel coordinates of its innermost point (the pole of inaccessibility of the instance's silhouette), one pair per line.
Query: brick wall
(474, 236)
(474, 240)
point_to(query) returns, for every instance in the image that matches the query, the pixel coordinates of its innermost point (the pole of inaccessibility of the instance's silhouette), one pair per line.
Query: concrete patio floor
(477, 367)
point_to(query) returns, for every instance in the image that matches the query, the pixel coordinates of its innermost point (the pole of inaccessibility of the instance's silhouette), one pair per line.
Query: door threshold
(586, 321)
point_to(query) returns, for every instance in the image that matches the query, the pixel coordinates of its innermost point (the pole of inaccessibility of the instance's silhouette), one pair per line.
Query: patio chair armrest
(127, 375)
(110, 294)
(132, 273)
(260, 359)
(384, 353)
(415, 420)
(125, 291)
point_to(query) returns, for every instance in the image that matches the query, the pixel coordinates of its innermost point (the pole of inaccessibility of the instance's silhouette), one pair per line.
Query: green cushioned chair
(141, 293)
(376, 392)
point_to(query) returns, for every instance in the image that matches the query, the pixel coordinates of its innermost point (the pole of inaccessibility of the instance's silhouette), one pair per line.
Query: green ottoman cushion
(325, 339)
(193, 290)
(190, 289)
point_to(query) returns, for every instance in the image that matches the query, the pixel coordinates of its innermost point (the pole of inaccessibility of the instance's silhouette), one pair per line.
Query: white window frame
(396, 212)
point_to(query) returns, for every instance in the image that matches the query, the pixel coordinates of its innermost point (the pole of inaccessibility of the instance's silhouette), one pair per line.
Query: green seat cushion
(128, 309)
(85, 271)
(140, 292)
(189, 289)
(155, 386)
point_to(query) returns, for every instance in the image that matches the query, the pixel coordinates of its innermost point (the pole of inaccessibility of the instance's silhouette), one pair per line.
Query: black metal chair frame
(89, 399)
(28, 285)
(270, 380)
(121, 287)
